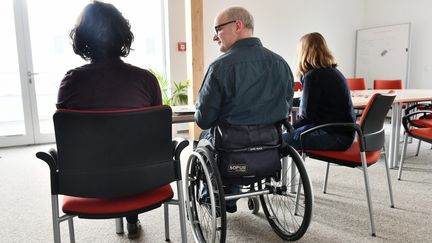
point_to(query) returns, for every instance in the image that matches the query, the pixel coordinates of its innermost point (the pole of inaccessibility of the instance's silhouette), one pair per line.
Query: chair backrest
(388, 84)
(298, 86)
(107, 154)
(356, 83)
(372, 120)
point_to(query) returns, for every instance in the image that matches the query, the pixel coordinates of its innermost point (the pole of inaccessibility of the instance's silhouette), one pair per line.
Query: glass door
(51, 57)
(15, 112)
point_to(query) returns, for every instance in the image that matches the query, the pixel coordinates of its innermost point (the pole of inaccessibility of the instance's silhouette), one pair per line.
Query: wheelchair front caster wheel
(253, 205)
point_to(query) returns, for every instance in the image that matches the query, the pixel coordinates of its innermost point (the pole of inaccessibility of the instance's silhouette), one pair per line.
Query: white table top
(361, 97)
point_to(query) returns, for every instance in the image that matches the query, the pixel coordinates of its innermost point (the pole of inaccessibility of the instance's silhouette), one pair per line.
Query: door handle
(30, 76)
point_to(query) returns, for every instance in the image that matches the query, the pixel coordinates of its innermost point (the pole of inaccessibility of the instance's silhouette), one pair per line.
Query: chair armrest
(407, 110)
(353, 126)
(284, 147)
(406, 119)
(178, 145)
(51, 159)
(287, 125)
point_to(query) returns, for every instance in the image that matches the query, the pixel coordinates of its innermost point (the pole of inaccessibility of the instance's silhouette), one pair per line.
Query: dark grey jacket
(247, 85)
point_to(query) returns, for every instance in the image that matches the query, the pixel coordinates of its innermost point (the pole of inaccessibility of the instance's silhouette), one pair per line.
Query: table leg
(396, 118)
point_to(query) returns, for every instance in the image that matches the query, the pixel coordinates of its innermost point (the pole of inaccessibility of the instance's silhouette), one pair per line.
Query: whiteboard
(383, 53)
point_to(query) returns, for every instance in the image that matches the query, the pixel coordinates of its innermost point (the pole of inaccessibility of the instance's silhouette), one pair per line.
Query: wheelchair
(286, 196)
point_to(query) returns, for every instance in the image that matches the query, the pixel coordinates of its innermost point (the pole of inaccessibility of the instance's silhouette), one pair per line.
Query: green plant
(179, 95)
(164, 85)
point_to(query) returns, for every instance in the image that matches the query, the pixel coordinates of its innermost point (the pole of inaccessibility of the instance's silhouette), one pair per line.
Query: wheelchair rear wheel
(205, 198)
(288, 206)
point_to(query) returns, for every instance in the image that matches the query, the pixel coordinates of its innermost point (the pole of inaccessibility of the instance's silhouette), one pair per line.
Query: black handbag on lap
(247, 153)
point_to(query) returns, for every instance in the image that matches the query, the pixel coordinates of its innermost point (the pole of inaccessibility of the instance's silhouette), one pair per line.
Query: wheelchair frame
(207, 216)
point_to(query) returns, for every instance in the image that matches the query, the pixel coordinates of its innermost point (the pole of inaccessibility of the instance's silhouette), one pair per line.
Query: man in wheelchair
(244, 93)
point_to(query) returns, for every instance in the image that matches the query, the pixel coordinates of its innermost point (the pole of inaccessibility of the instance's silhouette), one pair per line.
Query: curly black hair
(101, 33)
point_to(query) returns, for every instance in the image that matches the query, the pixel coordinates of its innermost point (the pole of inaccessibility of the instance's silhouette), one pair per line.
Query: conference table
(360, 98)
(183, 113)
(182, 118)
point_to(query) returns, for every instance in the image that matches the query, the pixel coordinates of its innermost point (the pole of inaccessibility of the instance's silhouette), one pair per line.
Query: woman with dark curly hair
(102, 35)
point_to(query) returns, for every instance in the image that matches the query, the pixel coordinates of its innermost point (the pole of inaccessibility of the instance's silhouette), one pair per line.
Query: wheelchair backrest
(249, 137)
(248, 153)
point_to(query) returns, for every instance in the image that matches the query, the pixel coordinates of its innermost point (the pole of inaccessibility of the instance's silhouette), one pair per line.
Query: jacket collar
(246, 42)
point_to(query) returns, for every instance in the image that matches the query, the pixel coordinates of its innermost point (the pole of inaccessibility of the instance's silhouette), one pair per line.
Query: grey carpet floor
(341, 215)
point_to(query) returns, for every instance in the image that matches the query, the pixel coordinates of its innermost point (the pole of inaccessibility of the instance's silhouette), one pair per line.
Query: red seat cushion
(104, 206)
(422, 133)
(350, 157)
(424, 107)
(422, 122)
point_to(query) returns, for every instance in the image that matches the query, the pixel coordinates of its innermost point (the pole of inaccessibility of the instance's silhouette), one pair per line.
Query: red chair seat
(111, 206)
(350, 157)
(424, 107)
(422, 122)
(423, 133)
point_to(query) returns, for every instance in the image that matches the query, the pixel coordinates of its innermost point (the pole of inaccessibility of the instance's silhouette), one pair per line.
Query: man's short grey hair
(239, 13)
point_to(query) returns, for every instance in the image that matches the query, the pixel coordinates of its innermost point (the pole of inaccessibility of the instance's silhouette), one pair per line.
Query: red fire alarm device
(181, 46)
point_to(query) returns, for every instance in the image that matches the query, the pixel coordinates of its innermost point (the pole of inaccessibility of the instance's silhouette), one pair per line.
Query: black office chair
(111, 164)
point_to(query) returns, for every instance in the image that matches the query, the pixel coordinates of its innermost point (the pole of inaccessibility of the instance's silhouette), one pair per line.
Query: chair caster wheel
(253, 205)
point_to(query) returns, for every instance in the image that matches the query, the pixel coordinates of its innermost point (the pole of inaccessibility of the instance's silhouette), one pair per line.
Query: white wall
(418, 13)
(176, 32)
(280, 23)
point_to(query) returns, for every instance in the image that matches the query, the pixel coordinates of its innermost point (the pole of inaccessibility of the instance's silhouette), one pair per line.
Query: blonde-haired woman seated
(325, 99)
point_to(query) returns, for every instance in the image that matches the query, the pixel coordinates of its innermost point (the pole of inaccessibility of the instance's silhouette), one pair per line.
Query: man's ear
(239, 25)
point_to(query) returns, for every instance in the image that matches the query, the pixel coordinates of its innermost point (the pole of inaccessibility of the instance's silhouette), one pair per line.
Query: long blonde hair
(313, 53)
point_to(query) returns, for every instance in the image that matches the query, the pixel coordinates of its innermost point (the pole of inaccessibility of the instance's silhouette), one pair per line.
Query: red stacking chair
(421, 119)
(298, 86)
(412, 129)
(111, 164)
(356, 83)
(366, 149)
(296, 101)
(388, 84)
